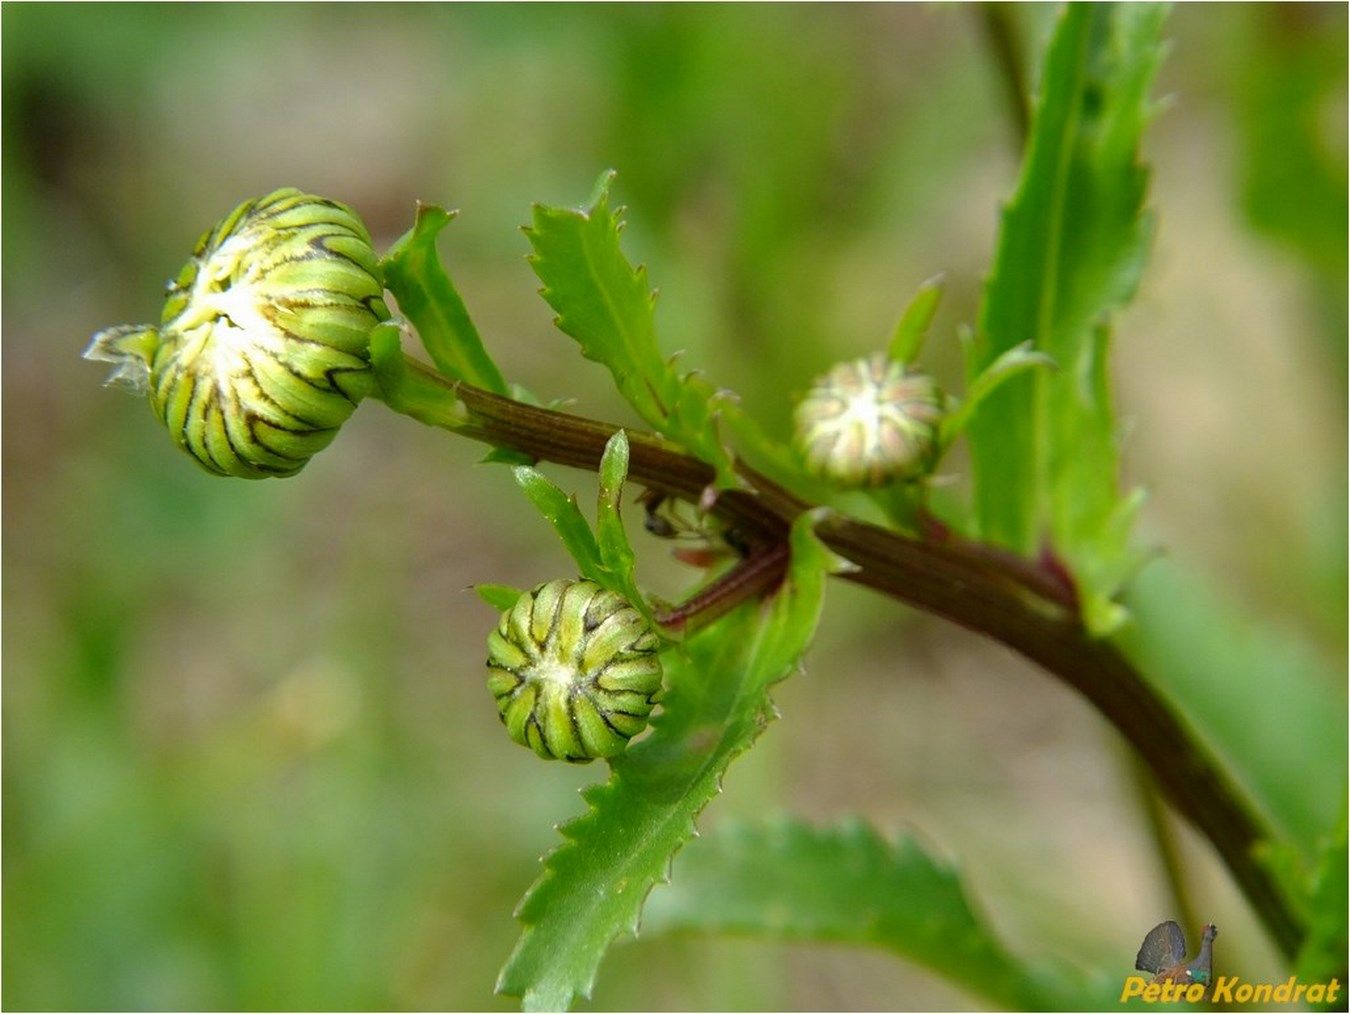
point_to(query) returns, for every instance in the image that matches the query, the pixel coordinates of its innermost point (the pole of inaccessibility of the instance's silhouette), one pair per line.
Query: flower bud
(262, 349)
(870, 421)
(575, 671)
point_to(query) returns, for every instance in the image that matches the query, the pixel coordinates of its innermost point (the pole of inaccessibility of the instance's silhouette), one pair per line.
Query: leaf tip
(600, 193)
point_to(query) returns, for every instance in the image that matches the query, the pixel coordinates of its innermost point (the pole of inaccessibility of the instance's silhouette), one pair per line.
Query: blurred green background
(249, 761)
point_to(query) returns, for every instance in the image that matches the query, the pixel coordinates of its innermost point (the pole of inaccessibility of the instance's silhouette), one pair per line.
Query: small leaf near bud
(870, 421)
(262, 350)
(575, 671)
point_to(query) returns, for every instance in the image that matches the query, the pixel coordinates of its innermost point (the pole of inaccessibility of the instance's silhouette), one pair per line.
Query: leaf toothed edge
(594, 884)
(606, 305)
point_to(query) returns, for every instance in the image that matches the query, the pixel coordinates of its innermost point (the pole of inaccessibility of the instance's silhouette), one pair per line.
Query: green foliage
(1286, 66)
(1272, 708)
(615, 552)
(1070, 251)
(848, 884)
(426, 295)
(206, 811)
(773, 458)
(1324, 953)
(914, 322)
(605, 304)
(498, 596)
(608, 559)
(1016, 361)
(402, 390)
(593, 886)
(1292, 68)
(561, 511)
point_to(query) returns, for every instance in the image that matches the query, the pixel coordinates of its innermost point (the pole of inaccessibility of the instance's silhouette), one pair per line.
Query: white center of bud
(223, 321)
(869, 421)
(548, 670)
(863, 408)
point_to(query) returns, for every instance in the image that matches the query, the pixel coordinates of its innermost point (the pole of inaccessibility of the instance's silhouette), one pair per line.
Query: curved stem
(996, 22)
(756, 575)
(976, 586)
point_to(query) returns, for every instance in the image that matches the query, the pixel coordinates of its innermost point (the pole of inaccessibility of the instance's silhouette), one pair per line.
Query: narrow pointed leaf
(910, 331)
(1016, 360)
(426, 296)
(561, 511)
(616, 554)
(413, 393)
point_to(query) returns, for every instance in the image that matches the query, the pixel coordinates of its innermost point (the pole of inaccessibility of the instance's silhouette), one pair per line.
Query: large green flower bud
(870, 421)
(574, 670)
(262, 349)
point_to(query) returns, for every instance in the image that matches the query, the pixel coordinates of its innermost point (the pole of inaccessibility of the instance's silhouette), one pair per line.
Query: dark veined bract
(575, 671)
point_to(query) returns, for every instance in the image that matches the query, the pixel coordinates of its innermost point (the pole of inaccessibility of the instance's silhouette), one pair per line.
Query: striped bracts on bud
(262, 349)
(869, 422)
(575, 671)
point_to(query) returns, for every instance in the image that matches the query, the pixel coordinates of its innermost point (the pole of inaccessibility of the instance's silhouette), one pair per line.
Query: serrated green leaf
(498, 596)
(604, 303)
(913, 325)
(717, 702)
(426, 296)
(561, 511)
(1071, 248)
(607, 306)
(847, 884)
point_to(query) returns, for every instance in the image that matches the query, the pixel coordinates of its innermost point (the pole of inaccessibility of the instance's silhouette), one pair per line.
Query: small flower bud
(870, 421)
(575, 671)
(262, 349)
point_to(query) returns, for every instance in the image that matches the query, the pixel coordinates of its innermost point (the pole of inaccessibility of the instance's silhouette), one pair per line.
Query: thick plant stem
(982, 589)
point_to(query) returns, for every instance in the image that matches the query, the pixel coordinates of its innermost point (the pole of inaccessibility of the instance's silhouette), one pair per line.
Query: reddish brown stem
(752, 577)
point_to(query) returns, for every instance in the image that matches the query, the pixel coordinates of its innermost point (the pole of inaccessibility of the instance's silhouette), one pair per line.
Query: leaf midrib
(631, 342)
(1049, 291)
